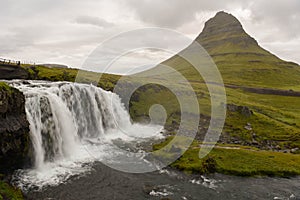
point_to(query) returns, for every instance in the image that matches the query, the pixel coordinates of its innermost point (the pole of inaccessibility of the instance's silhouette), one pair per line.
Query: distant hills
(55, 66)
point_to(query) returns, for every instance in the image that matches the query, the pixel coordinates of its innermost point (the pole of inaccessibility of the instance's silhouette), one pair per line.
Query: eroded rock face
(15, 142)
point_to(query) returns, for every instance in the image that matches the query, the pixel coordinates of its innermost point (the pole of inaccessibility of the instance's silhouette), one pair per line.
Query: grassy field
(235, 160)
(275, 117)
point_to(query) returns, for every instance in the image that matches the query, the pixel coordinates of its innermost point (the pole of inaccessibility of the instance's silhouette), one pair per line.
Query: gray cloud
(280, 16)
(267, 22)
(175, 13)
(66, 32)
(96, 21)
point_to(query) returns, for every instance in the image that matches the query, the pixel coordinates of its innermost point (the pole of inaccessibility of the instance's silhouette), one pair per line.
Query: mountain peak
(224, 29)
(221, 23)
(224, 17)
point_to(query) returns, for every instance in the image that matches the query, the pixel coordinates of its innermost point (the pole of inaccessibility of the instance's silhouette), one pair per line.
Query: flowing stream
(75, 128)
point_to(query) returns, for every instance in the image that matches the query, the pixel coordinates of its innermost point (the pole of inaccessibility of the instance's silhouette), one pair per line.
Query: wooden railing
(9, 62)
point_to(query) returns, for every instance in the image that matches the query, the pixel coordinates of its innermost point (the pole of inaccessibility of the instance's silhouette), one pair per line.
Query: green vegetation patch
(40, 72)
(4, 86)
(9, 192)
(236, 160)
(244, 162)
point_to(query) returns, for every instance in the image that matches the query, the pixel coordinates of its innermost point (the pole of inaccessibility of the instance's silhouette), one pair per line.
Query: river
(105, 183)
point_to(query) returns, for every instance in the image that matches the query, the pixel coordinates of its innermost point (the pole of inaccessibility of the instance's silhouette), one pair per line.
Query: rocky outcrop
(15, 142)
(9, 72)
(243, 110)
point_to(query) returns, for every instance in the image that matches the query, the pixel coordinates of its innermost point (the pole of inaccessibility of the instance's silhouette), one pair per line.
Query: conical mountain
(238, 57)
(255, 80)
(224, 31)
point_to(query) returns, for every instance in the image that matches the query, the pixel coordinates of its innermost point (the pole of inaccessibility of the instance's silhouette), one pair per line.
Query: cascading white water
(67, 121)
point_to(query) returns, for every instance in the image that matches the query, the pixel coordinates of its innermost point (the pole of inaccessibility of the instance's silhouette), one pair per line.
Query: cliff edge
(15, 142)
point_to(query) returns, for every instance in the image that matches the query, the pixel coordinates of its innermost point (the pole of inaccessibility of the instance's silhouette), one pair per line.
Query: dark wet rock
(278, 147)
(10, 72)
(293, 197)
(15, 142)
(175, 149)
(255, 143)
(248, 127)
(244, 110)
(286, 151)
(294, 150)
(147, 188)
(209, 165)
(25, 82)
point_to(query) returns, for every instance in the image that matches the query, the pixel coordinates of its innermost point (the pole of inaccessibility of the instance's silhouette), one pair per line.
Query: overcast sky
(66, 32)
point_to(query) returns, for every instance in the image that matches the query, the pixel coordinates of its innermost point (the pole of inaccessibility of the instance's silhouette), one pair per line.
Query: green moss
(9, 192)
(4, 86)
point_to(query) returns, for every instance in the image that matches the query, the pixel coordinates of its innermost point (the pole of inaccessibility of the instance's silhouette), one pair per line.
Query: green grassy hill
(239, 58)
(254, 78)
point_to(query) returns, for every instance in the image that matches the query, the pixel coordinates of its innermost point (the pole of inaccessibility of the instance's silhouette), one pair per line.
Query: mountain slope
(255, 80)
(239, 57)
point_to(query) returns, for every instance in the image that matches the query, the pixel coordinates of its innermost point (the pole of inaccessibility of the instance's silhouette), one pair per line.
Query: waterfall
(64, 115)
(71, 126)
